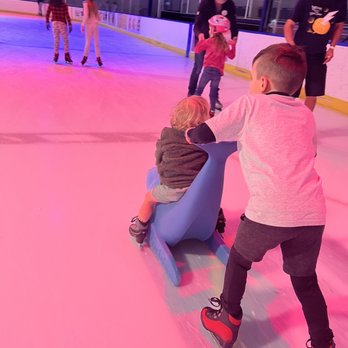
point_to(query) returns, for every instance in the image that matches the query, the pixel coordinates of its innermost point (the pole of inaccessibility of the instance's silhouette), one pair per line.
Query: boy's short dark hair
(284, 65)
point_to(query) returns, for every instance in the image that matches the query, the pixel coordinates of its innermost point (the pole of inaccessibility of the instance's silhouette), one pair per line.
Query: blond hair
(284, 65)
(189, 112)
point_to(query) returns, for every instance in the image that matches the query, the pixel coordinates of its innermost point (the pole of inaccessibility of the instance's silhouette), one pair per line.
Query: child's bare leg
(146, 208)
(139, 225)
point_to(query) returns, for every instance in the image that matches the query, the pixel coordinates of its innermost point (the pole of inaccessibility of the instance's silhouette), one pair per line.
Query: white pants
(91, 31)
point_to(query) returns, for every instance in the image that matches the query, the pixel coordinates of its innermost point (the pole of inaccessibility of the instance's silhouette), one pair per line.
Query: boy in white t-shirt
(276, 138)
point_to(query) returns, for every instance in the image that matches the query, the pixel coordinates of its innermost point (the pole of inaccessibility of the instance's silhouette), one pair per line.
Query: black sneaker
(222, 325)
(138, 230)
(55, 57)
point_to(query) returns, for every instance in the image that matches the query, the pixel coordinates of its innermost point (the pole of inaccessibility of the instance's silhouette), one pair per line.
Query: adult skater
(319, 22)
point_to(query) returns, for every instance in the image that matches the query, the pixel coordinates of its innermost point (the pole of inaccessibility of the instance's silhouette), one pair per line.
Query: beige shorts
(165, 194)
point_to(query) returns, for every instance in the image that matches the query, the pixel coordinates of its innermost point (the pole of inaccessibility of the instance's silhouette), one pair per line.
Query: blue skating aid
(194, 216)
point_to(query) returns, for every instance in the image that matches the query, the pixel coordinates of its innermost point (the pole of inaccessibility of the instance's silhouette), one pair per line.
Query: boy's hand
(187, 137)
(48, 25)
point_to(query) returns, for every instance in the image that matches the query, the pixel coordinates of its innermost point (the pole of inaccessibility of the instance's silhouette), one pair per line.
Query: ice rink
(75, 145)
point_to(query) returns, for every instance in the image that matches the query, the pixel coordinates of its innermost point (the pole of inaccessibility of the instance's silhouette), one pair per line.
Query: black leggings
(306, 289)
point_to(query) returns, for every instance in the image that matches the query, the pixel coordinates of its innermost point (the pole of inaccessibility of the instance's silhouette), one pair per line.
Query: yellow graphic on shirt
(322, 25)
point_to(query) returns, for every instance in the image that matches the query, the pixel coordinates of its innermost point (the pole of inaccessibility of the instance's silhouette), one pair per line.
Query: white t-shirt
(277, 147)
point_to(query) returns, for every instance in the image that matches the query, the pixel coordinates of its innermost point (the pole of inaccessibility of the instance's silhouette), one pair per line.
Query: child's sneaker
(55, 57)
(211, 113)
(138, 230)
(309, 344)
(222, 325)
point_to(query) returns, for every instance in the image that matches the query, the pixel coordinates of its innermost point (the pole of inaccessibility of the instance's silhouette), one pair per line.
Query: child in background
(90, 27)
(276, 137)
(177, 162)
(207, 9)
(60, 18)
(217, 48)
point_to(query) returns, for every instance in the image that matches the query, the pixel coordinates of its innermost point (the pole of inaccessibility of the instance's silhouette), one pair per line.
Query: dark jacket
(178, 162)
(207, 9)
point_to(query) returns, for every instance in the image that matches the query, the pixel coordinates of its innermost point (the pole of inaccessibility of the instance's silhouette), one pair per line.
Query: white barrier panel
(150, 28)
(249, 44)
(169, 32)
(20, 6)
(175, 34)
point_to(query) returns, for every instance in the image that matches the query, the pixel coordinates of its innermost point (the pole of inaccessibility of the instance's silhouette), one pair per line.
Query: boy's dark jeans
(314, 309)
(306, 288)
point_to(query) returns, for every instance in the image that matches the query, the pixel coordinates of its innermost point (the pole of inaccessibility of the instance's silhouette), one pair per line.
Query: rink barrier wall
(159, 32)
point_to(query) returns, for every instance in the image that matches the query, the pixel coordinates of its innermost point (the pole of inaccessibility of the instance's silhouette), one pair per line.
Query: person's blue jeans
(214, 76)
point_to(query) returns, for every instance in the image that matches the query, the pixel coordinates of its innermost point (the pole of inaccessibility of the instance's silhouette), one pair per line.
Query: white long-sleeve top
(89, 19)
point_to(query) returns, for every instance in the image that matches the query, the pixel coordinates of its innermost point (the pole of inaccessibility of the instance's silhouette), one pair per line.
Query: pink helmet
(219, 23)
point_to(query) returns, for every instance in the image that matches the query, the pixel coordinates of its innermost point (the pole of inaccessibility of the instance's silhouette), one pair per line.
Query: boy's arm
(201, 134)
(227, 126)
